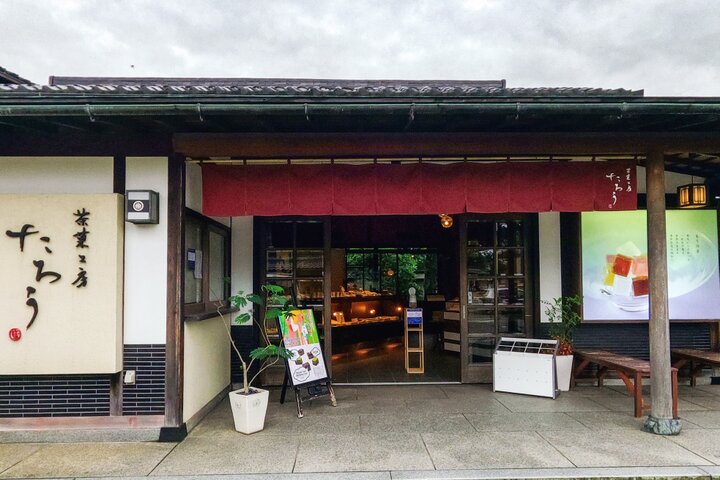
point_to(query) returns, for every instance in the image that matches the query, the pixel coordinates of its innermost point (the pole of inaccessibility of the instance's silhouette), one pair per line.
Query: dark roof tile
(292, 88)
(8, 77)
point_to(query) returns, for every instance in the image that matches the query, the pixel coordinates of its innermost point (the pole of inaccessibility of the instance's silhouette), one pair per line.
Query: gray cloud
(665, 47)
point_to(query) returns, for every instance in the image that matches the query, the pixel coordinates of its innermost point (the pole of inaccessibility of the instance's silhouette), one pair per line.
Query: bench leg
(694, 372)
(628, 383)
(581, 366)
(638, 396)
(602, 371)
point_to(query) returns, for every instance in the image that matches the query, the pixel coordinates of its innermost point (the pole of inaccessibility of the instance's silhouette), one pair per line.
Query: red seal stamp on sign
(15, 334)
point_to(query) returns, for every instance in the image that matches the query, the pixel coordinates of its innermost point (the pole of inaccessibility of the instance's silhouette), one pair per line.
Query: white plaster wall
(193, 191)
(672, 180)
(207, 363)
(241, 269)
(56, 174)
(193, 186)
(146, 257)
(550, 277)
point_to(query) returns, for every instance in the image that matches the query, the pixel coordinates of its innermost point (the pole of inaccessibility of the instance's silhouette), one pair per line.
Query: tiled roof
(8, 77)
(305, 88)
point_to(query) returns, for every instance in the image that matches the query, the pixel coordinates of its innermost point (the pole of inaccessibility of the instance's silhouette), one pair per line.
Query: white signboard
(61, 284)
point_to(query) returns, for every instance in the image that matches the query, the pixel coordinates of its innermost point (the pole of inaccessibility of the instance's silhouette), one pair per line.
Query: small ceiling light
(390, 272)
(446, 220)
(692, 195)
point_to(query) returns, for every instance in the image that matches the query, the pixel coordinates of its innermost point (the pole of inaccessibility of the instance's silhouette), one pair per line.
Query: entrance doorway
(375, 262)
(470, 279)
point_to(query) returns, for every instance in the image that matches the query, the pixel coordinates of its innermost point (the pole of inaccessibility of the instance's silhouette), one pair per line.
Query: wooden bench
(630, 370)
(697, 358)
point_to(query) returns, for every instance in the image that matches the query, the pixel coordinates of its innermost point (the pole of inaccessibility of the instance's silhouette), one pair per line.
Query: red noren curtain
(420, 188)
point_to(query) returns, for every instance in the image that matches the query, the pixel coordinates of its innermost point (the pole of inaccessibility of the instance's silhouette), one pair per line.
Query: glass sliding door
(495, 299)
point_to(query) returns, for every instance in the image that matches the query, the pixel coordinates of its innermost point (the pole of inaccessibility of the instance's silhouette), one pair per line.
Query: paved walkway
(412, 432)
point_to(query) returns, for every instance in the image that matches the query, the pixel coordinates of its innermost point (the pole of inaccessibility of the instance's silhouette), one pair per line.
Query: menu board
(615, 265)
(300, 336)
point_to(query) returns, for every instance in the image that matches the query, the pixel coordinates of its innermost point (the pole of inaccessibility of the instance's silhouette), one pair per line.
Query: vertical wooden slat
(327, 293)
(659, 326)
(531, 252)
(464, 346)
(175, 248)
(116, 385)
(570, 254)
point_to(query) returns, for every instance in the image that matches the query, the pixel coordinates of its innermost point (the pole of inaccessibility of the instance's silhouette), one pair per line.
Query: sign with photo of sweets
(61, 289)
(615, 269)
(300, 336)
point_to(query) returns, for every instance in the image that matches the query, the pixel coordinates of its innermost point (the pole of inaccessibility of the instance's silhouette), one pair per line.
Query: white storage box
(525, 365)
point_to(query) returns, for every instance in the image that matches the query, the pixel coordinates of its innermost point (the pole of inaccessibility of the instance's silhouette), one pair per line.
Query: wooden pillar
(327, 293)
(116, 380)
(174, 429)
(661, 419)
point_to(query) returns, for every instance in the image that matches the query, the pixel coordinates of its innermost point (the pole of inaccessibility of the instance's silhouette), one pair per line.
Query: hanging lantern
(446, 220)
(692, 195)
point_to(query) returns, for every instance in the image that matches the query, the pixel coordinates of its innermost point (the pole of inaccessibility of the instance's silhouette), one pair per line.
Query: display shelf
(414, 341)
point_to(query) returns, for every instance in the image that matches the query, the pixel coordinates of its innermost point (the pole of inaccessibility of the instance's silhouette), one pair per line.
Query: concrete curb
(625, 473)
(81, 435)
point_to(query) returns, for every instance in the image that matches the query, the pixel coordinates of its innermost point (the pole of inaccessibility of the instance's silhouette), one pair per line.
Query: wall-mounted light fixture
(692, 195)
(446, 220)
(141, 206)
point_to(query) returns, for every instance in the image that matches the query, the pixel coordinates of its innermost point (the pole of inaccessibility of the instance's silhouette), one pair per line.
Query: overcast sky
(666, 47)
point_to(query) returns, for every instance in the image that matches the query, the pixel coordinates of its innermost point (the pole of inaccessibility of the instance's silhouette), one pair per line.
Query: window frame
(208, 225)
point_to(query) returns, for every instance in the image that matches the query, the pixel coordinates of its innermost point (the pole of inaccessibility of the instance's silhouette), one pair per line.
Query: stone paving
(412, 432)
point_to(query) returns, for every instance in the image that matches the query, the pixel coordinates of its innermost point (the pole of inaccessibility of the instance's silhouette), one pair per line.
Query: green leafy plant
(273, 306)
(563, 313)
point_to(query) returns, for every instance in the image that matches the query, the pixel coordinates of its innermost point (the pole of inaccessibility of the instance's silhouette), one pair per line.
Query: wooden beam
(308, 145)
(661, 419)
(174, 347)
(85, 144)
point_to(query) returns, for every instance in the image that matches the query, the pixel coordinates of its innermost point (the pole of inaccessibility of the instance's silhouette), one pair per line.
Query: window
(392, 271)
(206, 264)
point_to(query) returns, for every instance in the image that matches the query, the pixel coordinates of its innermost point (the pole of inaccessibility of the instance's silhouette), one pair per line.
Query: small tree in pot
(249, 404)
(563, 313)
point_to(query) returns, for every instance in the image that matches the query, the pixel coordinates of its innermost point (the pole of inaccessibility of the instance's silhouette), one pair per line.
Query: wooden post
(116, 380)
(327, 294)
(174, 429)
(660, 420)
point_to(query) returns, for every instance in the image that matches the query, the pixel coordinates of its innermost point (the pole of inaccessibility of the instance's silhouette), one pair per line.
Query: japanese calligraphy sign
(615, 186)
(61, 287)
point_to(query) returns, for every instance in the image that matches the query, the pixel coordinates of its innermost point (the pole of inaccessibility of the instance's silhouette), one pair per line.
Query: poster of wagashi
(300, 336)
(615, 265)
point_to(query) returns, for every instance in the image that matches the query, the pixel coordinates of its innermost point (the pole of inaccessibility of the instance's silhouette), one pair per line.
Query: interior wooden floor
(385, 363)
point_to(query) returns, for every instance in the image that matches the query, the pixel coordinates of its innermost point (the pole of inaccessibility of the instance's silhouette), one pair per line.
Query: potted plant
(563, 313)
(249, 404)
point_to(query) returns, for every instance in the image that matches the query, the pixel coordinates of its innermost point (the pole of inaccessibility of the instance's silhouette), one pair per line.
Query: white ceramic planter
(249, 410)
(563, 370)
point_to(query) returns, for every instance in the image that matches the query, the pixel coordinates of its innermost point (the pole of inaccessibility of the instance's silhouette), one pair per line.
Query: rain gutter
(496, 108)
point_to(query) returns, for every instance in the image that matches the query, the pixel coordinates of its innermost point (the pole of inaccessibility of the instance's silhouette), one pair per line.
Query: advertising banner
(615, 266)
(300, 336)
